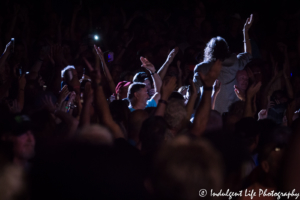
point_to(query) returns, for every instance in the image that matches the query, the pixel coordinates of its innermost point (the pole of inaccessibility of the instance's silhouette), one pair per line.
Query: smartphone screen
(20, 71)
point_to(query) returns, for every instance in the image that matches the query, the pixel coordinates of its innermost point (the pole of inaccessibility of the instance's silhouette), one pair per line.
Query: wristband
(207, 88)
(163, 101)
(153, 73)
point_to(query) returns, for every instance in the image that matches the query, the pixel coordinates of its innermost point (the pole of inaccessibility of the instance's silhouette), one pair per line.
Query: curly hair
(216, 48)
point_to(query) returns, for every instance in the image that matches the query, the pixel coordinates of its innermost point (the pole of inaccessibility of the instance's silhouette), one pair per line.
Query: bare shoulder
(203, 67)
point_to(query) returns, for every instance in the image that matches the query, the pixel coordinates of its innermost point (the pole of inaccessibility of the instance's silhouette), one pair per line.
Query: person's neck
(138, 105)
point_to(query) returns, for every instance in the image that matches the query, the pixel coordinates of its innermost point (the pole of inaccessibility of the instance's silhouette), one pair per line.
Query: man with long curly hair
(217, 49)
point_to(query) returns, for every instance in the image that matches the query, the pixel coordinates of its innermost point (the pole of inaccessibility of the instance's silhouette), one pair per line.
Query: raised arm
(70, 121)
(250, 104)
(217, 91)
(192, 100)
(88, 100)
(167, 88)
(203, 110)
(102, 106)
(5, 55)
(164, 68)
(157, 82)
(267, 91)
(55, 85)
(20, 97)
(179, 81)
(247, 43)
(288, 85)
(111, 83)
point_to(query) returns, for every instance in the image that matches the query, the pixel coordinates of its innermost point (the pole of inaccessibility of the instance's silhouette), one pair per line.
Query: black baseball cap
(140, 77)
(16, 124)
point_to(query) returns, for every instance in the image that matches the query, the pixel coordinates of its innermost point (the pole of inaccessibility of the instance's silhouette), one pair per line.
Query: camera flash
(96, 37)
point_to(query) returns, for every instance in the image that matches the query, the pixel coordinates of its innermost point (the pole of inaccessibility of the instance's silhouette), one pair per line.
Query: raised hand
(211, 76)
(147, 65)
(250, 74)
(168, 87)
(96, 76)
(7, 47)
(248, 23)
(72, 97)
(172, 55)
(239, 95)
(274, 66)
(48, 104)
(99, 53)
(64, 107)
(78, 104)
(179, 69)
(63, 94)
(253, 89)
(88, 93)
(263, 114)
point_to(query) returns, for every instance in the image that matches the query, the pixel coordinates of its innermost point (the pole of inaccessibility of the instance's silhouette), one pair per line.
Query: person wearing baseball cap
(142, 77)
(16, 130)
(137, 91)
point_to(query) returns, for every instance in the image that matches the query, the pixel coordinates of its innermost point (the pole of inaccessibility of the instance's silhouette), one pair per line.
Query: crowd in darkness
(148, 99)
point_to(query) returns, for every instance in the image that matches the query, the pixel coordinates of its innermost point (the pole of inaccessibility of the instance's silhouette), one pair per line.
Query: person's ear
(265, 166)
(136, 95)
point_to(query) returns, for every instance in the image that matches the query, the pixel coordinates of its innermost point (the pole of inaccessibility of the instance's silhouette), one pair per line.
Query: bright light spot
(96, 37)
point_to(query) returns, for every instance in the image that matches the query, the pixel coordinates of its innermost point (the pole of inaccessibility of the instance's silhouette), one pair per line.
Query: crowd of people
(127, 100)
